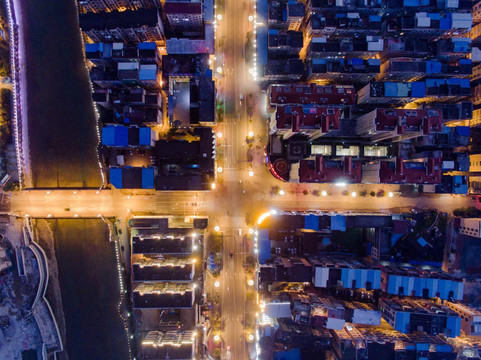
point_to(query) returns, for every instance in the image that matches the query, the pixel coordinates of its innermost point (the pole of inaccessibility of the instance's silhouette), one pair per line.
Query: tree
(372, 193)
(345, 192)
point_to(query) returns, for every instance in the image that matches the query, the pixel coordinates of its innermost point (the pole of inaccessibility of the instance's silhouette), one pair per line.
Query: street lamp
(212, 186)
(216, 338)
(324, 193)
(217, 228)
(390, 194)
(219, 17)
(250, 282)
(281, 192)
(251, 173)
(251, 18)
(219, 169)
(219, 70)
(251, 134)
(353, 194)
(251, 231)
(219, 134)
(217, 284)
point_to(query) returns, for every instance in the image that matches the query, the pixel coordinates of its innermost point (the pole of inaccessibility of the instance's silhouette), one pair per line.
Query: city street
(244, 188)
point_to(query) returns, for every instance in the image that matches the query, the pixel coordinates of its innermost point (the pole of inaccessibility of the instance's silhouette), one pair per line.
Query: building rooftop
(298, 118)
(169, 345)
(311, 94)
(321, 169)
(160, 244)
(123, 19)
(401, 171)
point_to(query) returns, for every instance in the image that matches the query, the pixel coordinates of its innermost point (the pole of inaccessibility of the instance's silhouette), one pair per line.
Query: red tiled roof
(401, 172)
(409, 120)
(324, 170)
(312, 94)
(298, 118)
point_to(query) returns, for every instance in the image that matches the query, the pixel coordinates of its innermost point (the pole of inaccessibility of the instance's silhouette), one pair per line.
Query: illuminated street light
(219, 17)
(324, 193)
(250, 337)
(251, 231)
(216, 338)
(273, 212)
(250, 282)
(212, 186)
(217, 228)
(390, 194)
(217, 284)
(219, 169)
(251, 173)
(251, 18)
(340, 184)
(282, 192)
(219, 134)
(219, 70)
(353, 194)
(251, 70)
(251, 134)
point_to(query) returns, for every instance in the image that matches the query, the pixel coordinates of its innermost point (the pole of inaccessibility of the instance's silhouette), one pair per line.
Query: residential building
(102, 54)
(125, 27)
(163, 269)
(470, 317)
(110, 5)
(286, 14)
(470, 227)
(184, 17)
(285, 43)
(178, 345)
(410, 281)
(475, 163)
(346, 274)
(129, 177)
(163, 295)
(408, 316)
(310, 94)
(128, 136)
(343, 70)
(321, 169)
(400, 171)
(400, 93)
(398, 124)
(362, 46)
(173, 243)
(312, 121)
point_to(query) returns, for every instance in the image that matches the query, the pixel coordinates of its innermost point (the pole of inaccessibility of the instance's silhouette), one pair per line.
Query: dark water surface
(61, 119)
(90, 290)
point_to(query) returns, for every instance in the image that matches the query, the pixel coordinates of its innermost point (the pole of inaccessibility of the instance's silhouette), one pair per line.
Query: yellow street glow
(263, 217)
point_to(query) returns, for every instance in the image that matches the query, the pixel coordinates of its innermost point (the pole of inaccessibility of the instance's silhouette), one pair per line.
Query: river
(62, 135)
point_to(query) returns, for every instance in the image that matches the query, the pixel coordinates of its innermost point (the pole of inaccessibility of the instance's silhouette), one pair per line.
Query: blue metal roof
(108, 136)
(338, 222)
(147, 178)
(146, 46)
(311, 222)
(91, 47)
(121, 135)
(145, 136)
(418, 89)
(293, 354)
(116, 177)
(264, 246)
